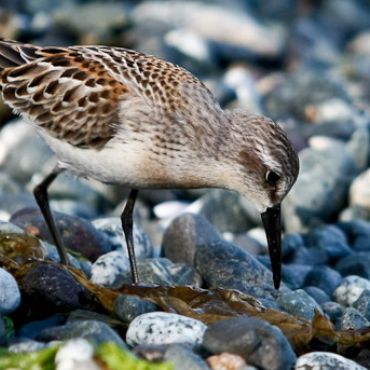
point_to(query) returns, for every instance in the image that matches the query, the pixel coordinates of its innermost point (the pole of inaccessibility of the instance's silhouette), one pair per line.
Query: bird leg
(127, 224)
(42, 199)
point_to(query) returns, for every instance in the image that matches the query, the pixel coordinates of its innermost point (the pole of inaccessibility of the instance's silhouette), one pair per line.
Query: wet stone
(48, 289)
(327, 361)
(162, 328)
(294, 275)
(78, 234)
(290, 244)
(334, 311)
(323, 277)
(350, 289)
(109, 268)
(222, 264)
(112, 228)
(358, 232)
(362, 304)
(320, 191)
(127, 308)
(183, 358)
(317, 294)
(353, 319)
(184, 234)
(225, 210)
(309, 256)
(331, 239)
(10, 296)
(161, 271)
(355, 264)
(32, 328)
(95, 331)
(260, 343)
(298, 303)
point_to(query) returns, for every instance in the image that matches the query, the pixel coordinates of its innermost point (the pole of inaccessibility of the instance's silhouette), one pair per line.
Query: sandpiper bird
(123, 117)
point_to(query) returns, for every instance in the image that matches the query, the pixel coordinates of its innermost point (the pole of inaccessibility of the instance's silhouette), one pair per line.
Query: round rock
(350, 289)
(162, 328)
(260, 343)
(10, 296)
(327, 361)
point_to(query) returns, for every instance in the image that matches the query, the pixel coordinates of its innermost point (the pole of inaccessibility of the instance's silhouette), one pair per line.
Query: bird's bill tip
(271, 219)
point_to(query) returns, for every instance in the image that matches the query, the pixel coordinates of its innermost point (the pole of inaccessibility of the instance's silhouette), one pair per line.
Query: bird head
(266, 168)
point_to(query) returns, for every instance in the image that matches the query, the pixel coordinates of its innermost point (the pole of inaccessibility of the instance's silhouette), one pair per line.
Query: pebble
(185, 234)
(112, 228)
(317, 294)
(127, 307)
(76, 354)
(161, 271)
(228, 361)
(335, 312)
(162, 328)
(224, 265)
(350, 289)
(362, 304)
(326, 361)
(355, 264)
(78, 234)
(49, 289)
(93, 331)
(25, 346)
(323, 277)
(109, 268)
(358, 232)
(298, 303)
(321, 188)
(294, 275)
(10, 296)
(260, 343)
(353, 319)
(183, 358)
(359, 193)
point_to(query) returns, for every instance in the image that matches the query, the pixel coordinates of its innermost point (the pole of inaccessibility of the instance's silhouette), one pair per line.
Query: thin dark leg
(127, 223)
(41, 195)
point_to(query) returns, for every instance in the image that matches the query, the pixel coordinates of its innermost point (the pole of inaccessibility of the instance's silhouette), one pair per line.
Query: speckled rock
(184, 234)
(260, 343)
(95, 331)
(353, 319)
(363, 304)
(335, 312)
(10, 296)
(78, 234)
(327, 361)
(26, 346)
(162, 327)
(298, 303)
(127, 307)
(109, 268)
(161, 271)
(222, 264)
(48, 289)
(350, 289)
(112, 228)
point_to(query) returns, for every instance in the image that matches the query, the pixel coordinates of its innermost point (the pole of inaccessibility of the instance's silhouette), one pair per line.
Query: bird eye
(272, 177)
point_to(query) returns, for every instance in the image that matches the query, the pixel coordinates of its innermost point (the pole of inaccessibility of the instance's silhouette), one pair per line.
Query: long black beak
(271, 220)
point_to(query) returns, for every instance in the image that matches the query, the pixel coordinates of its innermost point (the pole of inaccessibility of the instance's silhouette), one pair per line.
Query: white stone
(10, 297)
(76, 354)
(359, 194)
(326, 361)
(164, 328)
(350, 289)
(109, 268)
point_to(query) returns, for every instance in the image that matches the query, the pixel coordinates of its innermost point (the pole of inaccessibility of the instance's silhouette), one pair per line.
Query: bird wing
(66, 91)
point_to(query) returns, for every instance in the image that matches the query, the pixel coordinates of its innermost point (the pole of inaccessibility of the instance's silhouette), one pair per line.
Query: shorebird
(123, 117)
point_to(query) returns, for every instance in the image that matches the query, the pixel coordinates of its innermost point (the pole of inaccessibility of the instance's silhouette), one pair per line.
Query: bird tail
(15, 54)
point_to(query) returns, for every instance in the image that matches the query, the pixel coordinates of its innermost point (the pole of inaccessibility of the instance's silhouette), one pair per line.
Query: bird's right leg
(41, 194)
